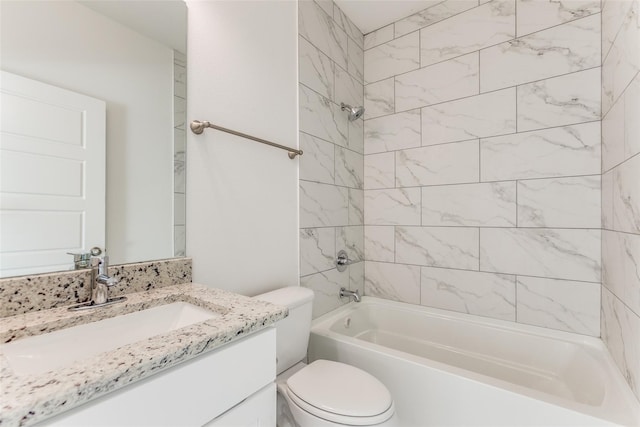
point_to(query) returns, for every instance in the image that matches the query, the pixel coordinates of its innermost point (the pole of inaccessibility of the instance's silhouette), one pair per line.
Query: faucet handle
(106, 280)
(102, 262)
(342, 261)
(81, 259)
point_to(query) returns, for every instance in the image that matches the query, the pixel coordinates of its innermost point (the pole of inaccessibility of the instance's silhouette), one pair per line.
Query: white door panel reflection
(52, 175)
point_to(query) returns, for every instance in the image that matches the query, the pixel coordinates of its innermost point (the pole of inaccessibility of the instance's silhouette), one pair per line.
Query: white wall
(241, 195)
(68, 45)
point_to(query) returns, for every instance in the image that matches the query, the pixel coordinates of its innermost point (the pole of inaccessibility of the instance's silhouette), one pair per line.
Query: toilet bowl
(323, 393)
(326, 393)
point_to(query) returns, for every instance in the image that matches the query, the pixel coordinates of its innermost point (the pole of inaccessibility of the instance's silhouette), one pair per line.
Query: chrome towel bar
(198, 127)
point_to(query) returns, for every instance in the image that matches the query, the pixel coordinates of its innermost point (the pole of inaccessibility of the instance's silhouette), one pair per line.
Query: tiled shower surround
(179, 151)
(331, 169)
(501, 170)
(482, 161)
(620, 316)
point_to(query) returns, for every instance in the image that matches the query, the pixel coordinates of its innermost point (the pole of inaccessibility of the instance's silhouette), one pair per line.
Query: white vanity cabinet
(258, 410)
(230, 386)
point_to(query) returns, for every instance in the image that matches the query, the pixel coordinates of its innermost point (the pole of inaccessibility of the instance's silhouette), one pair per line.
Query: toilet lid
(340, 389)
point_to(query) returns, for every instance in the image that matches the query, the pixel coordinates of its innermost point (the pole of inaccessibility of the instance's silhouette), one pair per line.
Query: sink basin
(58, 349)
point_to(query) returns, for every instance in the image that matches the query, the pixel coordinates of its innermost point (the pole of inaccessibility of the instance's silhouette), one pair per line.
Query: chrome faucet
(100, 284)
(102, 281)
(346, 293)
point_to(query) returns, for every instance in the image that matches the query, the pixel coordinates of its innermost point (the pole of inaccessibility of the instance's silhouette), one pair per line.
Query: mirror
(131, 55)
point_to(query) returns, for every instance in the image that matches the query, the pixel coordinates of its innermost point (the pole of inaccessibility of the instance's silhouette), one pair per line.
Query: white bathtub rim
(586, 340)
(619, 405)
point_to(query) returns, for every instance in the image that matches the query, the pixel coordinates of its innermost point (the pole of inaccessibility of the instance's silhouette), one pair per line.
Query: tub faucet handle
(342, 261)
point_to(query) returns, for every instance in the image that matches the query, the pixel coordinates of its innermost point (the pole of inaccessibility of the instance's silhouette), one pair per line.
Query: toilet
(322, 393)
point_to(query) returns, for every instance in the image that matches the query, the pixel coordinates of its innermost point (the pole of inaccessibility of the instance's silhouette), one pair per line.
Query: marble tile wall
(179, 151)
(331, 71)
(620, 310)
(482, 175)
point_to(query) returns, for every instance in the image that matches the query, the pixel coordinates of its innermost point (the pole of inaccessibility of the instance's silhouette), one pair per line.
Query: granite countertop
(27, 399)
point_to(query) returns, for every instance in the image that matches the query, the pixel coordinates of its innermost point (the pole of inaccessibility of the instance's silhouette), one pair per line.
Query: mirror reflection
(92, 132)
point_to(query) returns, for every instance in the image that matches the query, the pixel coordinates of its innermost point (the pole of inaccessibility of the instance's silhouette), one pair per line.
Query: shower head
(354, 112)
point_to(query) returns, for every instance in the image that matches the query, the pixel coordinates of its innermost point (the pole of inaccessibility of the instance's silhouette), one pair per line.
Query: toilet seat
(340, 393)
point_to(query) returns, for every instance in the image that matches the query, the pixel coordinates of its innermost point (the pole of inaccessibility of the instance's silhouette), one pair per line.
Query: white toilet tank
(292, 333)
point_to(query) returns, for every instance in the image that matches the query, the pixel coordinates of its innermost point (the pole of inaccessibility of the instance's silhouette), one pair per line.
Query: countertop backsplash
(23, 294)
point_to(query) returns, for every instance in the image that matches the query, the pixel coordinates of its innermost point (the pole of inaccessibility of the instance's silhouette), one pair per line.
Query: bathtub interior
(436, 362)
(541, 363)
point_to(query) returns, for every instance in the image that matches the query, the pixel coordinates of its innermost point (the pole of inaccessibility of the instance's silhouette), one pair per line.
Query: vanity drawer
(258, 410)
(190, 394)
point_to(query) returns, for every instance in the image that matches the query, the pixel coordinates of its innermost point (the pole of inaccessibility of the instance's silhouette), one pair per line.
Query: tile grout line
(475, 95)
(479, 161)
(622, 93)
(602, 204)
(615, 38)
(328, 57)
(479, 180)
(467, 183)
(470, 227)
(517, 207)
(623, 302)
(584, 282)
(395, 258)
(479, 75)
(493, 136)
(479, 247)
(484, 47)
(516, 101)
(621, 163)
(626, 233)
(515, 18)
(424, 27)
(515, 298)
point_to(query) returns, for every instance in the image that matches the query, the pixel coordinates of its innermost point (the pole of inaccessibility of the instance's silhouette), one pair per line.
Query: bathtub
(444, 368)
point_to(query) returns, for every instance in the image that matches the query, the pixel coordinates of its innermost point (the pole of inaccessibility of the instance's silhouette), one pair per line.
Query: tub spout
(345, 293)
